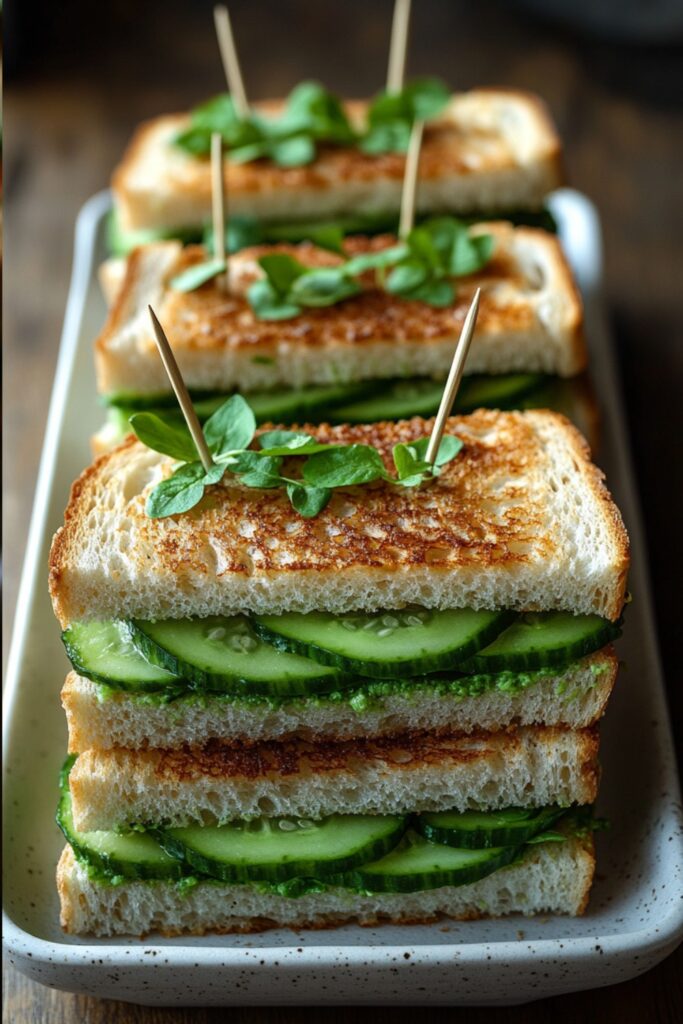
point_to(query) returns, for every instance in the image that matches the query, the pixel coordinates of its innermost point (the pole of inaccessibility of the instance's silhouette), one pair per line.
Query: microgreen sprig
(422, 267)
(229, 432)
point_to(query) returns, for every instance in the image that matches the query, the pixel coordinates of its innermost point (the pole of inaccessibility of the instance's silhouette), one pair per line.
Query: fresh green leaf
(308, 501)
(240, 233)
(434, 293)
(287, 442)
(323, 286)
(281, 271)
(470, 253)
(449, 447)
(376, 260)
(197, 275)
(164, 437)
(392, 115)
(344, 467)
(178, 493)
(255, 471)
(231, 427)
(407, 462)
(406, 277)
(294, 152)
(328, 236)
(268, 304)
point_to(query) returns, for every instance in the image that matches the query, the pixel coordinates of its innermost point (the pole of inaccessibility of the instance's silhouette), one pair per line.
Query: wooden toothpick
(231, 64)
(454, 378)
(181, 393)
(217, 196)
(409, 194)
(398, 46)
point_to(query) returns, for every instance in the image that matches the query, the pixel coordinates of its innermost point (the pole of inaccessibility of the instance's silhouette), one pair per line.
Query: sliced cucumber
(416, 864)
(401, 399)
(104, 652)
(409, 642)
(479, 830)
(541, 640)
(286, 406)
(276, 849)
(224, 655)
(129, 855)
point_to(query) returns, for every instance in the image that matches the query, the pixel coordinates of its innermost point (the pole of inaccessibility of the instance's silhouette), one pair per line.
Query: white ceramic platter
(635, 916)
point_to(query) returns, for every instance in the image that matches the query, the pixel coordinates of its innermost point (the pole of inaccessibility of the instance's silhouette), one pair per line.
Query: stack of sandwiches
(387, 712)
(384, 708)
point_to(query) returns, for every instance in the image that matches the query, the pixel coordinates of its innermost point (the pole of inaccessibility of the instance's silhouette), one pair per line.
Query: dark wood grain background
(78, 78)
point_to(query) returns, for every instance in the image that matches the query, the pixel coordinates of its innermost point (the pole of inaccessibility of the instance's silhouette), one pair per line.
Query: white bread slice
(111, 276)
(491, 150)
(520, 519)
(530, 320)
(528, 767)
(101, 718)
(552, 878)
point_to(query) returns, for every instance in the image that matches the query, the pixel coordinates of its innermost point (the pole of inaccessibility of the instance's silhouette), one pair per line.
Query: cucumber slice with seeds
(416, 865)
(126, 855)
(480, 830)
(277, 849)
(224, 655)
(407, 643)
(104, 652)
(542, 640)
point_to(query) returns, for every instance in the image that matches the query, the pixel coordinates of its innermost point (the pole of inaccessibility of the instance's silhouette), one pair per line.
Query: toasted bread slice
(574, 697)
(492, 150)
(528, 767)
(530, 320)
(551, 878)
(520, 520)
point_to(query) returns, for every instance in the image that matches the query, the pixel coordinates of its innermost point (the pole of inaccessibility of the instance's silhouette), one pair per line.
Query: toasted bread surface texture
(492, 149)
(530, 320)
(551, 878)
(520, 519)
(528, 767)
(574, 697)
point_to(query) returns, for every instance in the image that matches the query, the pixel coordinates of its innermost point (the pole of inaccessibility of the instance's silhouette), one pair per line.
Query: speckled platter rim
(377, 970)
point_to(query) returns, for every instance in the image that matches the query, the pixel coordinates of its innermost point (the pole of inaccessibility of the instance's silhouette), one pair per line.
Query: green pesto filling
(371, 694)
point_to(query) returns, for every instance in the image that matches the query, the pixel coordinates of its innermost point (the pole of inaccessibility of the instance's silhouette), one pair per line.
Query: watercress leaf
(407, 461)
(376, 260)
(196, 141)
(231, 427)
(427, 97)
(343, 467)
(442, 231)
(216, 113)
(267, 304)
(323, 286)
(449, 446)
(215, 474)
(389, 137)
(164, 437)
(197, 275)
(249, 151)
(294, 152)
(255, 471)
(308, 501)
(434, 293)
(178, 493)
(287, 442)
(405, 277)
(422, 247)
(470, 253)
(281, 271)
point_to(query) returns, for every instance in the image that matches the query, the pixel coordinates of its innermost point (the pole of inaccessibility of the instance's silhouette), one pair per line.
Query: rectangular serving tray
(635, 917)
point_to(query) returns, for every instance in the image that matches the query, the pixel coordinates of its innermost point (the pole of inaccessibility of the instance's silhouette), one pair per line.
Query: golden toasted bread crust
(441, 152)
(481, 513)
(209, 319)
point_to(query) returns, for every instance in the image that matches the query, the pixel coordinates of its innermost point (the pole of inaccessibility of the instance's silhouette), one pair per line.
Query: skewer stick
(217, 196)
(398, 46)
(454, 378)
(231, 64)
(181, 393)
(409, 193)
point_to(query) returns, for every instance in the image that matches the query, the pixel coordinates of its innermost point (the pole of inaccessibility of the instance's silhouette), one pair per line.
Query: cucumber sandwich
(358, 357)
(487, 151)
(381, 710)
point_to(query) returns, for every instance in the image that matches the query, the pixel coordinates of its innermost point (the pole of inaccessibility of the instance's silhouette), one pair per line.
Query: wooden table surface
(82, 79)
